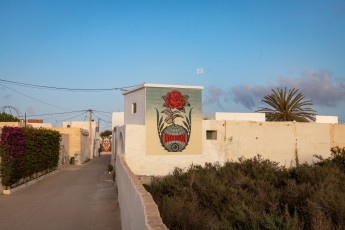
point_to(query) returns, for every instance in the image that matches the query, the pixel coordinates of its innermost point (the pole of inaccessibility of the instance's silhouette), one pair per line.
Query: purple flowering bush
(13, 137)
(26, 151)
(11, 152)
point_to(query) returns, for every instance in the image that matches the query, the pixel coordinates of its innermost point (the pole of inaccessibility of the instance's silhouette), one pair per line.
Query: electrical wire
(102, 111)
(102, 114)
(124, 88)
(72, 117)
(49, 114)
(34, 98)
(101, 118)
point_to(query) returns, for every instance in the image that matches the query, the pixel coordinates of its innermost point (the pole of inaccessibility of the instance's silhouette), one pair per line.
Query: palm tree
(287, 106)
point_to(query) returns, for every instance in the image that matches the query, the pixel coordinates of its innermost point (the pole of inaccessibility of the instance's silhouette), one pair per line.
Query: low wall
(283, 142)
(277, 141)
(11, 124)
(138, 210)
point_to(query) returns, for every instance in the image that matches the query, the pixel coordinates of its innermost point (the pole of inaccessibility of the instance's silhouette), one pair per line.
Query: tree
(4, 117)
(287, 105)
(106, 133)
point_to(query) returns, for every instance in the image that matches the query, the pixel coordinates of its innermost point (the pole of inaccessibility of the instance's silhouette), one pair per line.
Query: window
(134, 108)
(211, 134)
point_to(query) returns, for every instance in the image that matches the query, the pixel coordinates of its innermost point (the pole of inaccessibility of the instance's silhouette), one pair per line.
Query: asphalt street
(76, 197)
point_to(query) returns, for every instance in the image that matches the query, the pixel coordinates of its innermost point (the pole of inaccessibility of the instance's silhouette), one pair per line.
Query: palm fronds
(287, 105)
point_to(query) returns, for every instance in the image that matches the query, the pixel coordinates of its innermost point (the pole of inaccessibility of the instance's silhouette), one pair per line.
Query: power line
(101, 118)
(49, 114)
(124, 88)
(102, 114)
(34, 98)
(102, 111)
(73, 117)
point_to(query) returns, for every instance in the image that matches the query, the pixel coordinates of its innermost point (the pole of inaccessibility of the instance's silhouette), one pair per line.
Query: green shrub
(26, 151)
(110, 167)
(338, 157)
(251, 194)
(5, 117)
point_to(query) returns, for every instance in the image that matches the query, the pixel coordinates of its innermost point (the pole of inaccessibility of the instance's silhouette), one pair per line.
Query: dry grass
(252, 194)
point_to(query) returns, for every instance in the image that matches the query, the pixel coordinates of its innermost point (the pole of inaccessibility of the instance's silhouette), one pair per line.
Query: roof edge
(147, 85)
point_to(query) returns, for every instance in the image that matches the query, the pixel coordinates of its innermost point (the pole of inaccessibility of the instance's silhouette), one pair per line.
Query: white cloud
(214, 94)
(318, 86)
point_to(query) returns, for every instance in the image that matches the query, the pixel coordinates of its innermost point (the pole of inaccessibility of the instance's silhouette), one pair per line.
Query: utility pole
(90, 133)
(25, 121)
(98, 136)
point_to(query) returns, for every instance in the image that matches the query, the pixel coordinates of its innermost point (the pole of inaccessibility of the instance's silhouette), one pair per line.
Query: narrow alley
(76, 197)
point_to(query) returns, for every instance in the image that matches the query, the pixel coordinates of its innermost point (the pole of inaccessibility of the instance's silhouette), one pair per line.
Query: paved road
(76, 197)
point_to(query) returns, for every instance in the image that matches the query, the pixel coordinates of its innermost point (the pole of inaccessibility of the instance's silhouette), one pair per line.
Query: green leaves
(4, 117)
(171, 115)
(287, 105)
(41, 149)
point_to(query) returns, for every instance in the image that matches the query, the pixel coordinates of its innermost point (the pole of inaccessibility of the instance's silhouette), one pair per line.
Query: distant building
(326, 119)
(239, 116)
(34, 121)
(94, 133)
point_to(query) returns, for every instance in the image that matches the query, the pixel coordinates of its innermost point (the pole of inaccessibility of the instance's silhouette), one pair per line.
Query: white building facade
(163, 129)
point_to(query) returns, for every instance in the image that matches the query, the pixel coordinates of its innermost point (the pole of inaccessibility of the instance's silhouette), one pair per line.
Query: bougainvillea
(26, 151)
(13, 137)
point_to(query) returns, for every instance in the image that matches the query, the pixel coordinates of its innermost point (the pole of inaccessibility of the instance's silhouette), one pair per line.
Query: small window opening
(211, 134)
(134, 108)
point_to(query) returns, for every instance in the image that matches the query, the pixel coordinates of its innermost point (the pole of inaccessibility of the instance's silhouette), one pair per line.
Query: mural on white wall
(174, 137)
(173, 121)
(106, 144)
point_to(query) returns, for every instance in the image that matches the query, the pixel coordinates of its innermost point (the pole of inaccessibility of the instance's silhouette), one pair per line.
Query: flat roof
(147, 85)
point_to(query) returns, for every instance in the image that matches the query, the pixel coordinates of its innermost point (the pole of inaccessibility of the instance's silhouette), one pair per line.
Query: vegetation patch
(27, 151)
(4, 117)
(253, 194)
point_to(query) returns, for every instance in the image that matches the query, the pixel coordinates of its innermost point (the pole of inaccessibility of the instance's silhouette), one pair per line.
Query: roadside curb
(34, 181)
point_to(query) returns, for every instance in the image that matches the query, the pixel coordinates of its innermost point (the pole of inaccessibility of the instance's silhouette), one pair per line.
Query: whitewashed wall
(137, 97)
(117, 119)
(142, 164)
(326, 119)
(85, 125)
(138, 210)
(239, 116)
(277, 141)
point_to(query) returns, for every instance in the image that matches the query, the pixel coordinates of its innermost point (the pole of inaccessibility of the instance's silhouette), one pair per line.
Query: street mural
(173, 121)
(106, 144)
(174, 137)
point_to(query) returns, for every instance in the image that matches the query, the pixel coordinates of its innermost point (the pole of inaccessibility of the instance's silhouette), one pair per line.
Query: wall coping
(153, 219)
(146, 85)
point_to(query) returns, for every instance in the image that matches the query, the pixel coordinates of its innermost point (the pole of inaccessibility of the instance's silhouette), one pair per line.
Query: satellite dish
(10, 110)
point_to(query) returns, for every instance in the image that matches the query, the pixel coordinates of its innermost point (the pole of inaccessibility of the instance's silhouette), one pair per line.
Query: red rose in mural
(175, 99)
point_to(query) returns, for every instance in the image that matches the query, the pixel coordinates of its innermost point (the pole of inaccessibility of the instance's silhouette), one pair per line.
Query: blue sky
(245, 48)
